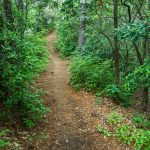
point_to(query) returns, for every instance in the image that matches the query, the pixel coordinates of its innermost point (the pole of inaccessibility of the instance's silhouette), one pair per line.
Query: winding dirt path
(68, 129)
(72, 123)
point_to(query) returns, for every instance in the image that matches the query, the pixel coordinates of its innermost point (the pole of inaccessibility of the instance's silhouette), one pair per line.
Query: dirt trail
(71, 125)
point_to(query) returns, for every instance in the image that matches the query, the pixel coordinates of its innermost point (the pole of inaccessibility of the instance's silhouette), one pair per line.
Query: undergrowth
(95, 75)
(67, 37)
(3, 134)
(23, 62)
(135, 133)
(90, 73)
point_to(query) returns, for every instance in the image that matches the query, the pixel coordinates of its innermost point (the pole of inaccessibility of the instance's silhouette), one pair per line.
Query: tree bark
(145, 90)
(139, 56)
(81, 39)
(22, 7)
(21, 19)
(127, 58)
(1, 54)
(146, 98)
(116, 47)
(8, 14)
(1, 28)
(148, 1)
(1, 22)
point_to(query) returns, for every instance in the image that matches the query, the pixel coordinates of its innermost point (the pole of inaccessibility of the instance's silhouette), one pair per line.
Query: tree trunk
(22, 7)
(116, 47)
(1, 28)
(1, 23)
(138, 54)
(127, 58)
(145, 90)
(1, 55)
(146, 98)
(81, 39)
(148, 3)
(8, 14)
(21, 19)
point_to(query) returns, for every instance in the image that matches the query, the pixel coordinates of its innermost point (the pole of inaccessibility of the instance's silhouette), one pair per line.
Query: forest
(75, 74)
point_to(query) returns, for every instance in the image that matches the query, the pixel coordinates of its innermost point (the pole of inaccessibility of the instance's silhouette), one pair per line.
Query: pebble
(67, 141)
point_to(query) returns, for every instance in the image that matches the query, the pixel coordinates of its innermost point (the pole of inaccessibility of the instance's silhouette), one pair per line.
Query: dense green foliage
(66, 43)
(138, 78)
(108, 43)
(91, 73)
(24, 56)
(91, 68)
(3, 142)
(129, 134)
(21, 68)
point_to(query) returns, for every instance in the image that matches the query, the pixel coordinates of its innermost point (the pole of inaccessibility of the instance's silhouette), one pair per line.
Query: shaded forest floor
(74, 116)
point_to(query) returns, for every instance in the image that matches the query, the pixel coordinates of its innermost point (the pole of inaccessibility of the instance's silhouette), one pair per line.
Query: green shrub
(140, 120)
(104, 131)
(3, 134)
(90, 73)
(98, 101)
(139, 138)
(134, 81)
(118, 93)
(114, 118)
(23, 62)
(124, 133)
(112, 91)
(67, 37)
(4, 144)
(29, 123)
(129, 134)
(139, 78)
(96, 43)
